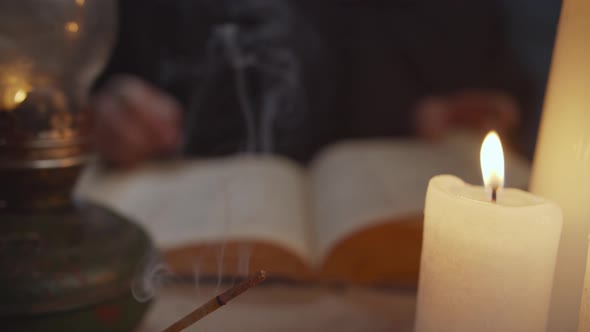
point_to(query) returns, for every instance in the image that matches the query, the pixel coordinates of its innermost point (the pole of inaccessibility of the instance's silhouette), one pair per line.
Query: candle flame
(492, 162)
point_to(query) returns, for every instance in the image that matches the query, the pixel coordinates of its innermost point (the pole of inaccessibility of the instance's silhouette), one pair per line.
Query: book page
(195, 202)
(357, 183)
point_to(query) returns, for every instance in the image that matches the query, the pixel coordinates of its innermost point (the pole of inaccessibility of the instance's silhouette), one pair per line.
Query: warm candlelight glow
(485, 267)
(19, 96)
(492, 162)
(72, 27)
(80, 2)
(12, 97)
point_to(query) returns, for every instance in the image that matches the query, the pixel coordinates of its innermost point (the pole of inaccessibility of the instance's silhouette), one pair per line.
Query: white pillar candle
(486, 266)
(561, 171)
(584, 325)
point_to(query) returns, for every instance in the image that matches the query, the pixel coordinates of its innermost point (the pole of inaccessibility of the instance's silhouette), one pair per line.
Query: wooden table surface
(288, 308)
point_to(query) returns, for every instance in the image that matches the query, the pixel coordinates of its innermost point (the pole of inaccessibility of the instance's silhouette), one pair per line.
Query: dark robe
(290, 77)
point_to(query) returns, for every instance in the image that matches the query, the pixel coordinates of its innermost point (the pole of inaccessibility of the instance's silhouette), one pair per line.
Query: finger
(485, 111)
(432, 118)
(163, 118)
(154, 111)
(118, 137)
(124, 146)
(508, 111)
(501, 114)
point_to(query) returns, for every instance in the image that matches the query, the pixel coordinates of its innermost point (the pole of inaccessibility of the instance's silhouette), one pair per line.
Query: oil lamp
(64, 265)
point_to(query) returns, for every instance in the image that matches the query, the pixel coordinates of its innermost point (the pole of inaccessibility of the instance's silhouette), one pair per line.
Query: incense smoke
(221, 214)
(153, 274)
(247, 54)
(245, 251)
(240, 49)
(277, 68)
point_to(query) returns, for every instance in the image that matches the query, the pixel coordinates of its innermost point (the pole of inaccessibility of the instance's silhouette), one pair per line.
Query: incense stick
(216, 302)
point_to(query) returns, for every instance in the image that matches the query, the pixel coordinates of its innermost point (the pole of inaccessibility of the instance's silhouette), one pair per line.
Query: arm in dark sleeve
(126, 56)
(243, 70)
(461, 45)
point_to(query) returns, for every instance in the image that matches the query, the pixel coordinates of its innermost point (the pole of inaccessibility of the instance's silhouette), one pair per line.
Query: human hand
(133, 121)
(480, 110)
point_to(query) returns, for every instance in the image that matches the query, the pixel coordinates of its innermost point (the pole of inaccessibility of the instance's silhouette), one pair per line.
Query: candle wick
(494, 194)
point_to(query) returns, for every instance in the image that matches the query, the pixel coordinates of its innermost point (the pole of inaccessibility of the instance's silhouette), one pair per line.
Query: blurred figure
(134, 121)
(218, 77)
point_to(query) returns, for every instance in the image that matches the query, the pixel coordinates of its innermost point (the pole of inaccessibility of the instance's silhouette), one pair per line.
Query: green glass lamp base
(70, 270)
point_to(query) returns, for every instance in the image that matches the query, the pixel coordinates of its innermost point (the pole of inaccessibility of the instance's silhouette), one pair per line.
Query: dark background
(360, 65)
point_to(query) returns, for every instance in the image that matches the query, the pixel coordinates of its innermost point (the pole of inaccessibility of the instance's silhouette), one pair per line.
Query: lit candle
(584, 325)
(486, 266)
(561, 171)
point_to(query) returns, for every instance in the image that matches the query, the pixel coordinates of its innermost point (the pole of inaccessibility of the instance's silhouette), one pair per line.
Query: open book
(353, 216)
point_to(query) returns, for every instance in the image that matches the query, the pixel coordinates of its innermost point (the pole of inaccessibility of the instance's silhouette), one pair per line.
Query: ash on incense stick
(216, 302)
